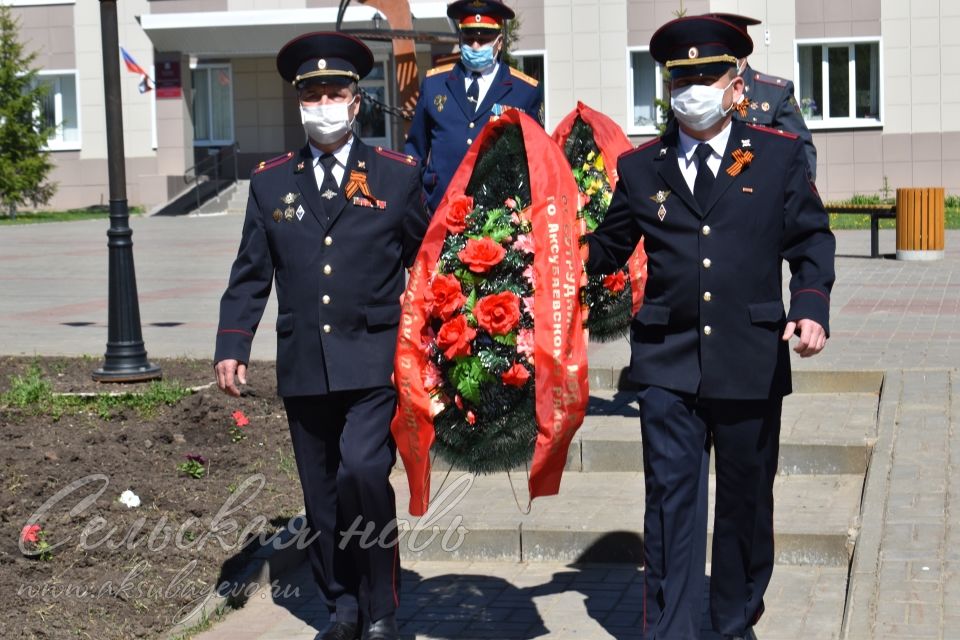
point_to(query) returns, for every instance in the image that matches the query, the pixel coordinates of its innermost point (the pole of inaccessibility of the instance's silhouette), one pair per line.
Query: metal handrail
(214, 161)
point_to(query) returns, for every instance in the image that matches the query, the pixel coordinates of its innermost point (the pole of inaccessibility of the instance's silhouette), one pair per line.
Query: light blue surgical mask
(478, 59)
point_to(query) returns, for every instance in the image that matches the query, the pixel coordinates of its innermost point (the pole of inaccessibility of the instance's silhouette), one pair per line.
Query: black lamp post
(126, 358)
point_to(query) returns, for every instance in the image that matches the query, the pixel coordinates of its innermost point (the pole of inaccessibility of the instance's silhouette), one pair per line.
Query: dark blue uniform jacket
(338, 281)
(445, 123)
(713, 309)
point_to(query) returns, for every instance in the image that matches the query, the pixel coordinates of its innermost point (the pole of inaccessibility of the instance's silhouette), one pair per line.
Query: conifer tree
(24, 160)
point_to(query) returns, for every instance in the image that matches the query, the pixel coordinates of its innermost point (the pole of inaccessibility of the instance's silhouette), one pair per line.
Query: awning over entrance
(233, 33)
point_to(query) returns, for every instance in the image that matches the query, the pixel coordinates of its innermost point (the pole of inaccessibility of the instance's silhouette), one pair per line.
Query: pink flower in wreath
(482, 255)
(511, 203)
(525, 344)
(431, 376)
(528, 306)
(530, 276)
(524, 243)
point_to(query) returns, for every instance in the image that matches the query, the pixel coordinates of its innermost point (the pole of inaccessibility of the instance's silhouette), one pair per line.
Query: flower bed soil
(139, 570)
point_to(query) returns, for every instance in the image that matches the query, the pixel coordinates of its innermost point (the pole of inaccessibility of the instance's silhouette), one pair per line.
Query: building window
(534, 64)
(645, 87)
(373, 125)
(839, 83)
(60, 109)
(212, 104)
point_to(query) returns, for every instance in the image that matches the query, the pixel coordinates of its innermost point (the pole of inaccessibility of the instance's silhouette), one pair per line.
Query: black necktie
(473, 91)
(329, 189)
(704, 182)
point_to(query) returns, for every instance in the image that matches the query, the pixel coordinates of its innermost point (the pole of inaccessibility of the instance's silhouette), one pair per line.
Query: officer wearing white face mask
(720, 205)
(333, 224)
(457, 100)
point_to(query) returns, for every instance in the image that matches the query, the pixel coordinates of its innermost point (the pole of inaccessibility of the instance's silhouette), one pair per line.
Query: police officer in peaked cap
(333, 224)
(457, 99)
(770, 100)
(720, 204)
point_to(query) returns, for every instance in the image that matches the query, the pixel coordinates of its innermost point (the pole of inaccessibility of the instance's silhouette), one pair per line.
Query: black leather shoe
(340, 631)
(383, 629)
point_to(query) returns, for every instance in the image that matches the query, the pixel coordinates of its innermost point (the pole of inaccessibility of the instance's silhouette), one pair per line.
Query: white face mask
(699, 107)
(327, 123)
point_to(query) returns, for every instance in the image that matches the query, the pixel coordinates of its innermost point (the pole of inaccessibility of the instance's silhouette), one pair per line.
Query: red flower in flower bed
(455, 336)
(240, 419)
(482, 255)
(615, 282)
(515, 376)
(460, 208)
(498, 314)
(30, 533)
(446, 296)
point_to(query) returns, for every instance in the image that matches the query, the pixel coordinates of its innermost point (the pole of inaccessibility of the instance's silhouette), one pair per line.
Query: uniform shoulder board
(645, 145)
(399, 157)
(776, 132)
(521, 75)
(772, 80)
(444, 68)
(272, 162)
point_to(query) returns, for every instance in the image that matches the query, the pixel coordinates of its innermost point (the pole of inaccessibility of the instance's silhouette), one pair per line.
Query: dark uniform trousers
(675, 429)
(446, 123)
(338, 262)
(706, 349)
(344, 455)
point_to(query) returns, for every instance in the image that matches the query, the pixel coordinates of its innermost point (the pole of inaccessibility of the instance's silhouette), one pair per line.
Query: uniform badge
(288, 214)
(277, 214)
(290, 198)
(299, 168)
(439, 102)
(745, 143)
(754, 105)
(660, 197)
(300, 212)
(329, 194)
(765, 106)
(663, 151)
(362, 164)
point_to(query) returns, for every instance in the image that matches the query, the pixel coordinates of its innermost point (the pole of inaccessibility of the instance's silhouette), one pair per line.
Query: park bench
(875, 211)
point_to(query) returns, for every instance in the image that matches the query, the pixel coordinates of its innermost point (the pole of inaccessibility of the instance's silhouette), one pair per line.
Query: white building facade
(872, 77)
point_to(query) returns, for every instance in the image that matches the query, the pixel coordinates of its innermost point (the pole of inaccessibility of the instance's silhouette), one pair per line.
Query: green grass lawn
(855, 221)
(34, 217)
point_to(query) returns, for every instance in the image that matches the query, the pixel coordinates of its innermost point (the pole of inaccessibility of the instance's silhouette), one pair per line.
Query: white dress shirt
(485, 80)
(686, 154)
(341, 155)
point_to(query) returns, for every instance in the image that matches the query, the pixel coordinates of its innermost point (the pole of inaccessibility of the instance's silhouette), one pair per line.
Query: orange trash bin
(920, 220)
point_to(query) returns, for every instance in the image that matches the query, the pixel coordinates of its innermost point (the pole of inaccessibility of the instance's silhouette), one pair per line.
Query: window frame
(522, 53)
(632, 129)
(55, 144)
(233, 116)
(827, 123)
(388, 83)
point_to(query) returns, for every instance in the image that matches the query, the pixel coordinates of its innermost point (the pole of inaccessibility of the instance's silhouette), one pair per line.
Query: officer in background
(334, 224)
(770, 100)
(457, 99)
(720, 204)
